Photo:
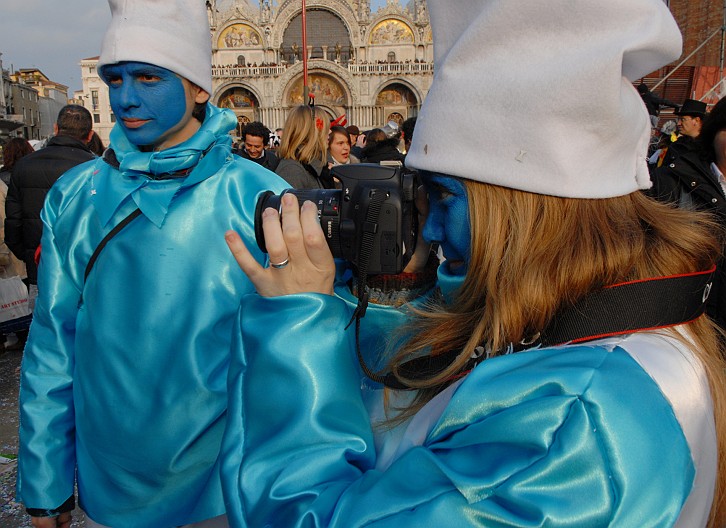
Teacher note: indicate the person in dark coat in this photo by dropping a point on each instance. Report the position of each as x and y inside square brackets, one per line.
[653, 103]
[255, 140]
[379, 147]
[13, 150]
[691, 176]
[34, 175]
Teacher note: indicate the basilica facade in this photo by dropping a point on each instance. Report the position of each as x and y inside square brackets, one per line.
[372, 67]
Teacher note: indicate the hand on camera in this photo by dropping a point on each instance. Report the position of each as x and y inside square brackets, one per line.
[300, 260]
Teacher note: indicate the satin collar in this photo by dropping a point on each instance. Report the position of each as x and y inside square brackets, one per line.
[152, 179]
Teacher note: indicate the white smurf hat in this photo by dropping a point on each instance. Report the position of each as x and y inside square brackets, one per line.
[173, 34]
[536, 95]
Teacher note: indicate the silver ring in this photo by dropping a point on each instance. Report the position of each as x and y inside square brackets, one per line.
[280, 265]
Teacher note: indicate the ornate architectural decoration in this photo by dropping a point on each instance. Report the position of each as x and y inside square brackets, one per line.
[370, 66]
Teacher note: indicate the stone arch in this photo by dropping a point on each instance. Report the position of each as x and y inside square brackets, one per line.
[241, 99]
[396, 81]
[322, 43]
[330, 92]
[238, 34]
[391, 31]
[397, 100]
[320, 66]
[290, 9]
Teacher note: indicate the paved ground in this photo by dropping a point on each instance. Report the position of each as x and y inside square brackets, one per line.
[12, 514]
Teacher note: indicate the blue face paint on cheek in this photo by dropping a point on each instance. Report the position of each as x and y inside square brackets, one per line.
[448, 221]
[148, 101]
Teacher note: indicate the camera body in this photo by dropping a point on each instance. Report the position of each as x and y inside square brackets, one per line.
[371, 221]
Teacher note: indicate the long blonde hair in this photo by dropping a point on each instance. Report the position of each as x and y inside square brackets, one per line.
[306, 135]
[532, 255]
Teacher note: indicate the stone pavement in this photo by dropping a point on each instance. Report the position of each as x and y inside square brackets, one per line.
[12, 514]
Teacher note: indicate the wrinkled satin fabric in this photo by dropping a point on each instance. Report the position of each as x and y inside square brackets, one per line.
[550, 437]
[124, 376]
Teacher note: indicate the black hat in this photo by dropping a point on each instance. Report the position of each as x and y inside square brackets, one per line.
[691, 107]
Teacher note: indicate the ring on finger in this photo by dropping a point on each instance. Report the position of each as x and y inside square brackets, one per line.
[280, 265]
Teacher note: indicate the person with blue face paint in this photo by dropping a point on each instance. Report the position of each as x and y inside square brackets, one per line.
[123, 384]
[480, 417]
[447, 224]
[152, 104]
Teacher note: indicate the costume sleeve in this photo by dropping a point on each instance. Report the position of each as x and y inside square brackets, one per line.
[46, 459]
[509, 450]
[14, 221]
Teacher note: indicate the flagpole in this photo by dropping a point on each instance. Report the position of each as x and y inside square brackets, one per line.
[306, 89]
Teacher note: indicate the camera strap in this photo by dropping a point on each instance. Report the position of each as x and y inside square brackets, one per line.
[368, 237]
[624, 308]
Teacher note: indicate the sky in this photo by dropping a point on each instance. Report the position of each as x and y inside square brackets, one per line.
[55, 35]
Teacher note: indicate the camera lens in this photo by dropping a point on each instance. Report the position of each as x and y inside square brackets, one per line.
[326, 200]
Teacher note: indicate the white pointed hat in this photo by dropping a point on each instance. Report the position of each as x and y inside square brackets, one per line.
[173, 34]
[536, 95]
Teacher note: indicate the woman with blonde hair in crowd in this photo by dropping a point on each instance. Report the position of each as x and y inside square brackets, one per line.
[563, 373]
[304, 149]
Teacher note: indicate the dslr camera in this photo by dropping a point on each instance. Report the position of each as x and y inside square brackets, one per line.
[371, 221]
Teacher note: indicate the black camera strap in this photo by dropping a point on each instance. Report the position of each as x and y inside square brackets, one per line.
[624, 308]
[370, 227]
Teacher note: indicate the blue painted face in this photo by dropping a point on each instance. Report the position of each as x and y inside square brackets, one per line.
[151, 103]
[448, 221]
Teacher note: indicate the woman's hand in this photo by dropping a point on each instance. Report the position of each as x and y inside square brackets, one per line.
[300, 260]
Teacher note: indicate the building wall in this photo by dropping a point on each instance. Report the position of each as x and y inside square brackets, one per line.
[95, 99]
[24, 102]
[370, 67]
[359, 82]
[700, 21]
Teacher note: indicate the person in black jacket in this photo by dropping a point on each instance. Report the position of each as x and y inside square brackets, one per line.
[34, 175]
[653, 103]
[255, 140]
[691, 176]
[379, 147]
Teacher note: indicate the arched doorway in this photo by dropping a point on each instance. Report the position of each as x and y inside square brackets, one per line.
[241, 101]
[396, 102]
[330, 94]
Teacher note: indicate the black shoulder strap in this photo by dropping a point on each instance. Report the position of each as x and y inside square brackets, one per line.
[632, 306]
[115, 231]
[619, 309]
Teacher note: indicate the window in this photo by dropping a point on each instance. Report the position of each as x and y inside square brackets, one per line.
[94, 99]
[113, 118]
[96, 118]
[391, 56]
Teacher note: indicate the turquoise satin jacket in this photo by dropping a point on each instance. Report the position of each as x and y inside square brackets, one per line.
[557, 437]
[124, 374]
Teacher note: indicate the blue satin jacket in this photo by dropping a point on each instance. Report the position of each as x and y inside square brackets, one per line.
[124, 374]
[557, 437]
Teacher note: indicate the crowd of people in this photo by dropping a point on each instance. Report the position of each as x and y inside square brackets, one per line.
[551, 355]
[311, 145]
